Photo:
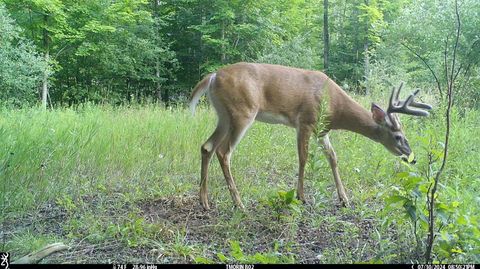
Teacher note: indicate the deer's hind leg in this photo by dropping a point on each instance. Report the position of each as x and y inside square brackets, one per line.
[207, 150]
[224, 152]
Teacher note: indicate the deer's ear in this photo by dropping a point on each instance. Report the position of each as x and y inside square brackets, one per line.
[378, 114]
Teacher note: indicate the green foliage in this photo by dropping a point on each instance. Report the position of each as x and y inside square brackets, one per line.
[295, 53]
[457, 226]
[128, 51]
[237, 256]
[134, 231]
[90, 165]
[28, 242]
[100, 52]
[67, 203]
[458, 229]
[434, 43]
[20, 66]
[284, 205]
[356, 30]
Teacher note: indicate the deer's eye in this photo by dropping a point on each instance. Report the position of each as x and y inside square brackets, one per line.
[398, 137]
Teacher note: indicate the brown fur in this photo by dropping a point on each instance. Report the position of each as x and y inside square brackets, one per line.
[244, 92]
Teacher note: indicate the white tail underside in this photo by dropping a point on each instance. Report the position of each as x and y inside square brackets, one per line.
[196, 97]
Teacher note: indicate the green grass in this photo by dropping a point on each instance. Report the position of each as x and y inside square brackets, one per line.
[125, 180]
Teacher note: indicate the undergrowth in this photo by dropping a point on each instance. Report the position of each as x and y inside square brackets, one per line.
[125, 179]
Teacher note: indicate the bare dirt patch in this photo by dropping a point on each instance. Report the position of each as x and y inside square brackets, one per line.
[206, 233]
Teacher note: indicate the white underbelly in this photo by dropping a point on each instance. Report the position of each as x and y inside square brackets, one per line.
[270, 117]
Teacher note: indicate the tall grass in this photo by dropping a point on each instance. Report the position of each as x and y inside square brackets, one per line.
[102, 156]
[149, 149]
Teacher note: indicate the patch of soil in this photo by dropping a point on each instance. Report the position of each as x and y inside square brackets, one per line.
[183, 212]
[47, 219]
[178, 210]
[256, 229]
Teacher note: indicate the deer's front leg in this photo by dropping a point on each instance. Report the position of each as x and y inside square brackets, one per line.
[332, 159]
[303, 137]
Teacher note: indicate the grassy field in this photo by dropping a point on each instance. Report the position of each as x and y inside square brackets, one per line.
[121, 185]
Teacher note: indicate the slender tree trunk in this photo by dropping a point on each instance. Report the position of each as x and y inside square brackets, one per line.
[45, 82]
[158, 85]
[224, 56]
[201, 57]
[47, 58]
[432, 192]
[366, 66]
[356, 41]
[326, 36]
[158, 90]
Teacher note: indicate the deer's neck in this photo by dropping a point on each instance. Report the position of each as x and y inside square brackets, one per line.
[349, 115]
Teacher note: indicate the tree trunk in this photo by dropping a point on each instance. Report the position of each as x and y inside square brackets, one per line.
[326, 36]
[45, 82]
[366, 66]
[224, 56]
[356, 23]
[158, 85]
[201, 51]
[158, 89]
[366, 55]
[47, 58]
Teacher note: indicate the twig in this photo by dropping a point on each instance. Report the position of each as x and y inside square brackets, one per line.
[428, 66]
[445, 64]
[431, 199]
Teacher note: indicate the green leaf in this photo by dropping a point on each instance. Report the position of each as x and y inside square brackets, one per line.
[236, 251]
[282, 194]
[456, 250]
[260, 258]
[411, 210]
[402, 175]
[462, 220]
[395, 199]
[289, 196]
[442, 215]
[445, 236]
[416, 193]
[411, 157]
[222, 257]
[422, 217]
[202, 260]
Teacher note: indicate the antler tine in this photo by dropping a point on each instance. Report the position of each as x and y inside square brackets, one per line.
[398, 91]
[397, 106]
[420, 105]
[393, 100]
[416, 112]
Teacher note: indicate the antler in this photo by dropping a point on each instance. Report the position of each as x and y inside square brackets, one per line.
[405, 107]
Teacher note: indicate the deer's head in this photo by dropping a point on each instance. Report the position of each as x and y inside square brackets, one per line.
[390, 132]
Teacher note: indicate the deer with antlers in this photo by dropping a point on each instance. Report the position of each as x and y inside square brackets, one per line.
[244, 92]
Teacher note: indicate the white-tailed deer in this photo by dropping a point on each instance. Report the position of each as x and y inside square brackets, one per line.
[244, 92]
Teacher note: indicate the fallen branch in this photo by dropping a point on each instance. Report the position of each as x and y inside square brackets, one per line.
[38, 255]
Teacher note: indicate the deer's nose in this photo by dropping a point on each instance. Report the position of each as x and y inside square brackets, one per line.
[405, 159]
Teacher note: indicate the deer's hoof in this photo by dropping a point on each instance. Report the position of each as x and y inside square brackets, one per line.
[240, 207]
[344, 203]
[303, 200]
[204, 204]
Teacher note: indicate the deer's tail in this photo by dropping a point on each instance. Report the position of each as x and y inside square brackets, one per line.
[202, 87]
